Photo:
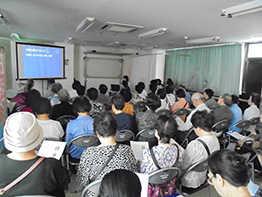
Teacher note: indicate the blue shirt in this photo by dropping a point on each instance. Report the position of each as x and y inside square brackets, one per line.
[237, 116]
[79, 126]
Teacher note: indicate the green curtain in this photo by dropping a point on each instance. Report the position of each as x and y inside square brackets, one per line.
[215, 67]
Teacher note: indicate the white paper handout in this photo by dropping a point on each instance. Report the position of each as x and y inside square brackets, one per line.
[239, 136]
[52, 149]
[138, 147]
[144, 183]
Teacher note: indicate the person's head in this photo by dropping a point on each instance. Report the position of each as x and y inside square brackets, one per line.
[105, 124]
[180, 93]
[31, 97]
[76, 84]
[235, 99]
[153, 102]
[81, 105]
[202, 121]
[139, 88]
[120, 183]
[118, 101]
[42, 106]
[140, 107]
[169, 82]
[30, 84]
[225, 99]
[227, 169]
[103, 89]
[254, 99]
[22, 132]
[63, 95]
[161, 93]
[81, 90]
[22, 87]
[152, 87]
[142, 84]
[50, 82]
[126, 94]
[182, 86]
[158, 81]
[208, 93]
[197, 99]
[126, 78]
[92, 94]
[166, 128]
[169, 89]
[56, 87]
[153, 82]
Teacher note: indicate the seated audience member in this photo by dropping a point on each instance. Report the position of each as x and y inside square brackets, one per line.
[159, 84]
[143, 94]
[137, 94]
[228, 173]
[198, 102]
[64, 107]
[102, 97]
[19, 99]
[257, 147]
[161, 93]
[139, 110]
[209, 101]
[48, 178]
[171, 98]
[169, 82]
[93, 158]
[124, 85]
[128, 106]
[181, 103]
[152, 88]
[124, 120]
[183, 87]
[120, 183]
[75, 86]
[55, 89]
[30, 98]
[253, 111]
[49, 92]
[51, 128]
[236, 111]
[166, 154]
[149, 117]
[126, 78]
[195, 151]
[83, 124]
[222, 111]
[96, 107]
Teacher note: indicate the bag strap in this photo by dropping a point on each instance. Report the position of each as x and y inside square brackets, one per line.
[154, 157]
[21, 177]
[184, 105]
[102, 168]
[205, 145]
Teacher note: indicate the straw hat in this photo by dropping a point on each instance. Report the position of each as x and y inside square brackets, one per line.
[22, 132]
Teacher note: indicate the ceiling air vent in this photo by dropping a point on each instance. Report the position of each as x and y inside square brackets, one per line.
[119, 27]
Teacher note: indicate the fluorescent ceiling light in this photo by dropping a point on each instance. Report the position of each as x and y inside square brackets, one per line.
[246, 8]
[120, 44]
[85, 24]
[15, 36]
[120, 27]
[203, 40]
[68, 40]
[2, 20]
[152, 33]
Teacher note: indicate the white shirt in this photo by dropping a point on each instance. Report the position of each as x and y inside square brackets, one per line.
[51, 129]
[249, 113]
[171, 98]
[188, 125]
[143, 94]
[194, 153]
[164, 105]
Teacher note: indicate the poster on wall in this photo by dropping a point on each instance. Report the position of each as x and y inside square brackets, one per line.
[2, 88]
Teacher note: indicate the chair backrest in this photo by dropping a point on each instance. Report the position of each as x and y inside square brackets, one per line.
[220, 126]
[64, 120]
[124, 136]
[181, 112]
[254, 121]
[92, 187]
[147, 135]
[242, 124]
[85, 140]
[201, 166]
[164, 175]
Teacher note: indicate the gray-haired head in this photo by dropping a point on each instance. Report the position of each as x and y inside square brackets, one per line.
[63, 95]
[22, 87]
[227, 99]
[197, 97]
[56, 87]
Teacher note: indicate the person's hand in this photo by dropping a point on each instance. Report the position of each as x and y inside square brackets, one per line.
[240, 142]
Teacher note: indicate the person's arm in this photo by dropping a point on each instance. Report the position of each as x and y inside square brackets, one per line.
[188, 156]
[60, 130]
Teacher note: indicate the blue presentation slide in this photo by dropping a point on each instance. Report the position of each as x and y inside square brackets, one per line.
[42, 62]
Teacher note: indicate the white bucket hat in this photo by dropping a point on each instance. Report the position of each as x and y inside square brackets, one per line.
[22, 132]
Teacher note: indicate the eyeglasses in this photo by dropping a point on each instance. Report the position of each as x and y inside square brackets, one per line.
[210, 178]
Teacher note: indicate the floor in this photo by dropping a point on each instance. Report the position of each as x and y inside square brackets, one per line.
[74, 187]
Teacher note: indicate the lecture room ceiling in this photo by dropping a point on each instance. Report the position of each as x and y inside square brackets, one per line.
[56, 20]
